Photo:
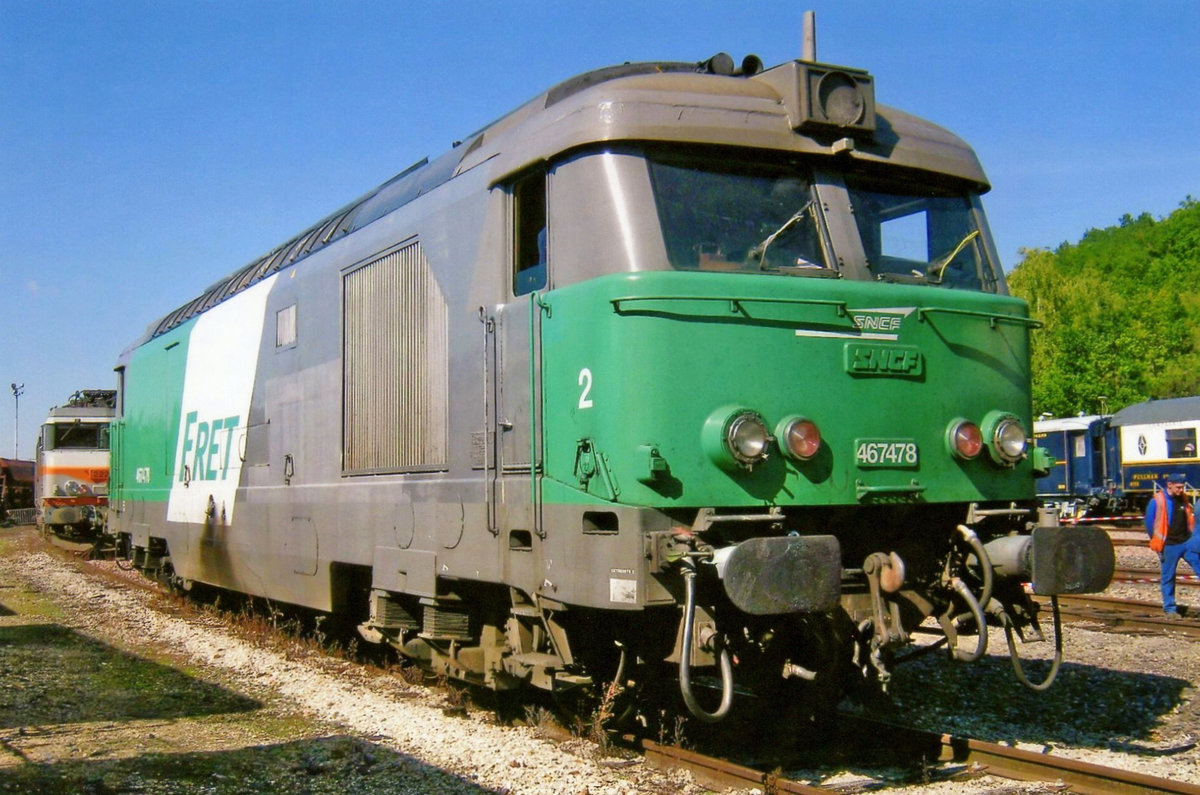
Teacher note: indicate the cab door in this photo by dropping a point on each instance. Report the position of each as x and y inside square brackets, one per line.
[516, 423]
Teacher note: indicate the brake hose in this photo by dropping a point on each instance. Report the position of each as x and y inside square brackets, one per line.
[962, 590]
[1016, 658]
[685, 660]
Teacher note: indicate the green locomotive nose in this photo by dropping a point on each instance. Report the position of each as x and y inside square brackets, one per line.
[792, 392]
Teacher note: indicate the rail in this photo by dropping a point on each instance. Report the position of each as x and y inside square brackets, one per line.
[1123, 574]
[977, 755]
[735, 306]
[1124, 615]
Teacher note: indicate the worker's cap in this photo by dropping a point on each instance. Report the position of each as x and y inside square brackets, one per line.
[1177, 477]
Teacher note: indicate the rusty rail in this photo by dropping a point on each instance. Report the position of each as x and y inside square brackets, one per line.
[1124, 574]
[1001, 760]
[713, 772]
[980, 757]
[1082, 777]
[1121, 615]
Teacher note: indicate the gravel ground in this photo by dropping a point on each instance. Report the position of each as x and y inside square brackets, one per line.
[328, 721]
[1122, 700]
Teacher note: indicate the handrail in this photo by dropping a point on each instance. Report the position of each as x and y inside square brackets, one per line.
[734, 301]
[992, 317]
[842, 308]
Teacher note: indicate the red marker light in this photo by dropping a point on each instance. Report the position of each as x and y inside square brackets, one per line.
[966, 440]
[799, 437]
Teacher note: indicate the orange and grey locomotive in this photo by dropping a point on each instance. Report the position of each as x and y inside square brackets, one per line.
[72, 465]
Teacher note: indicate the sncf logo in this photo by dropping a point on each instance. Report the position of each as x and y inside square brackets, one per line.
[881, 359]
[877, 322]
[207, 446]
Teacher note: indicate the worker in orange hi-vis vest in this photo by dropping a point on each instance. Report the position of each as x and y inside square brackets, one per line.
[1171, 524]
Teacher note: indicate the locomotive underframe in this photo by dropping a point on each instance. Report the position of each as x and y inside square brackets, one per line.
[897, 569]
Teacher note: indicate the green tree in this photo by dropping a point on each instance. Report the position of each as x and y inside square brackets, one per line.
[1120, 311]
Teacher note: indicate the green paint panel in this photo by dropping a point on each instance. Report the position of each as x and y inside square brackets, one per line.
[634, 365]
[144, 438]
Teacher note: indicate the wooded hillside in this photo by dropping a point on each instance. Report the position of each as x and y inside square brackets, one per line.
[1121, 310]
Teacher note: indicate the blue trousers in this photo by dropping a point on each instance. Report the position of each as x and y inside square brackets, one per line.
[1190, 551]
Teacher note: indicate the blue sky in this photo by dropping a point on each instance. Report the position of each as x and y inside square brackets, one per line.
[149, 148]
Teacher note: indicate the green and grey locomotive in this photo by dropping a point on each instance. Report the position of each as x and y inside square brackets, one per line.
[679, 371]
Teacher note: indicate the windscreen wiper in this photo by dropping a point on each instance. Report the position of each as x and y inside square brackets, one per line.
[938, 266]
[759, 252]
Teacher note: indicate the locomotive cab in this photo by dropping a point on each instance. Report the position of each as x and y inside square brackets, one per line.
[789, 362]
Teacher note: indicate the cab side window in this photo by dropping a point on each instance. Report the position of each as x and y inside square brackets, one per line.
[529, 234]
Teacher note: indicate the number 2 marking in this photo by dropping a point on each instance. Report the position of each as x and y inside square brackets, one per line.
[585, 381]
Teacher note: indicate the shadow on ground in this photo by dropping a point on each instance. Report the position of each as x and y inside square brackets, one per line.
[54, 675]
[4, 609]
[1087, 706]
[342, 765]
[1086, 703]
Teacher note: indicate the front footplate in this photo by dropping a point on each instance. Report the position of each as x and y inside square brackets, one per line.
[1056, 560]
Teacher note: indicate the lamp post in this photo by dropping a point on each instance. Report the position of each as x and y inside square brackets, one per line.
[17, 391]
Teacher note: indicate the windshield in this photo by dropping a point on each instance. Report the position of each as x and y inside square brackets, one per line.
[76, 436]
[743, 214]
[736, 216]
[919, 234]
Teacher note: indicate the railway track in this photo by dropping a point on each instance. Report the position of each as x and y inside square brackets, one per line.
[1124, 574]
[961, 758]
[1124, 615]
[957, 757]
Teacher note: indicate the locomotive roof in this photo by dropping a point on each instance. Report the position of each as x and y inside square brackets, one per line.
[86, 403]
[1152, 411]
[661, 101]
[1080, 423]
[71, 413]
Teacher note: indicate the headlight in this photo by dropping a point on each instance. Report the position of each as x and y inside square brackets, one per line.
[1008, 441]
[965, 439]
[799, 438]
[747, 438]
[736, 438]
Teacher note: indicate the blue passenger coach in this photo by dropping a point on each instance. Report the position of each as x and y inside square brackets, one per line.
[1108, 465]
[1157, 438]
[1083, 478]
